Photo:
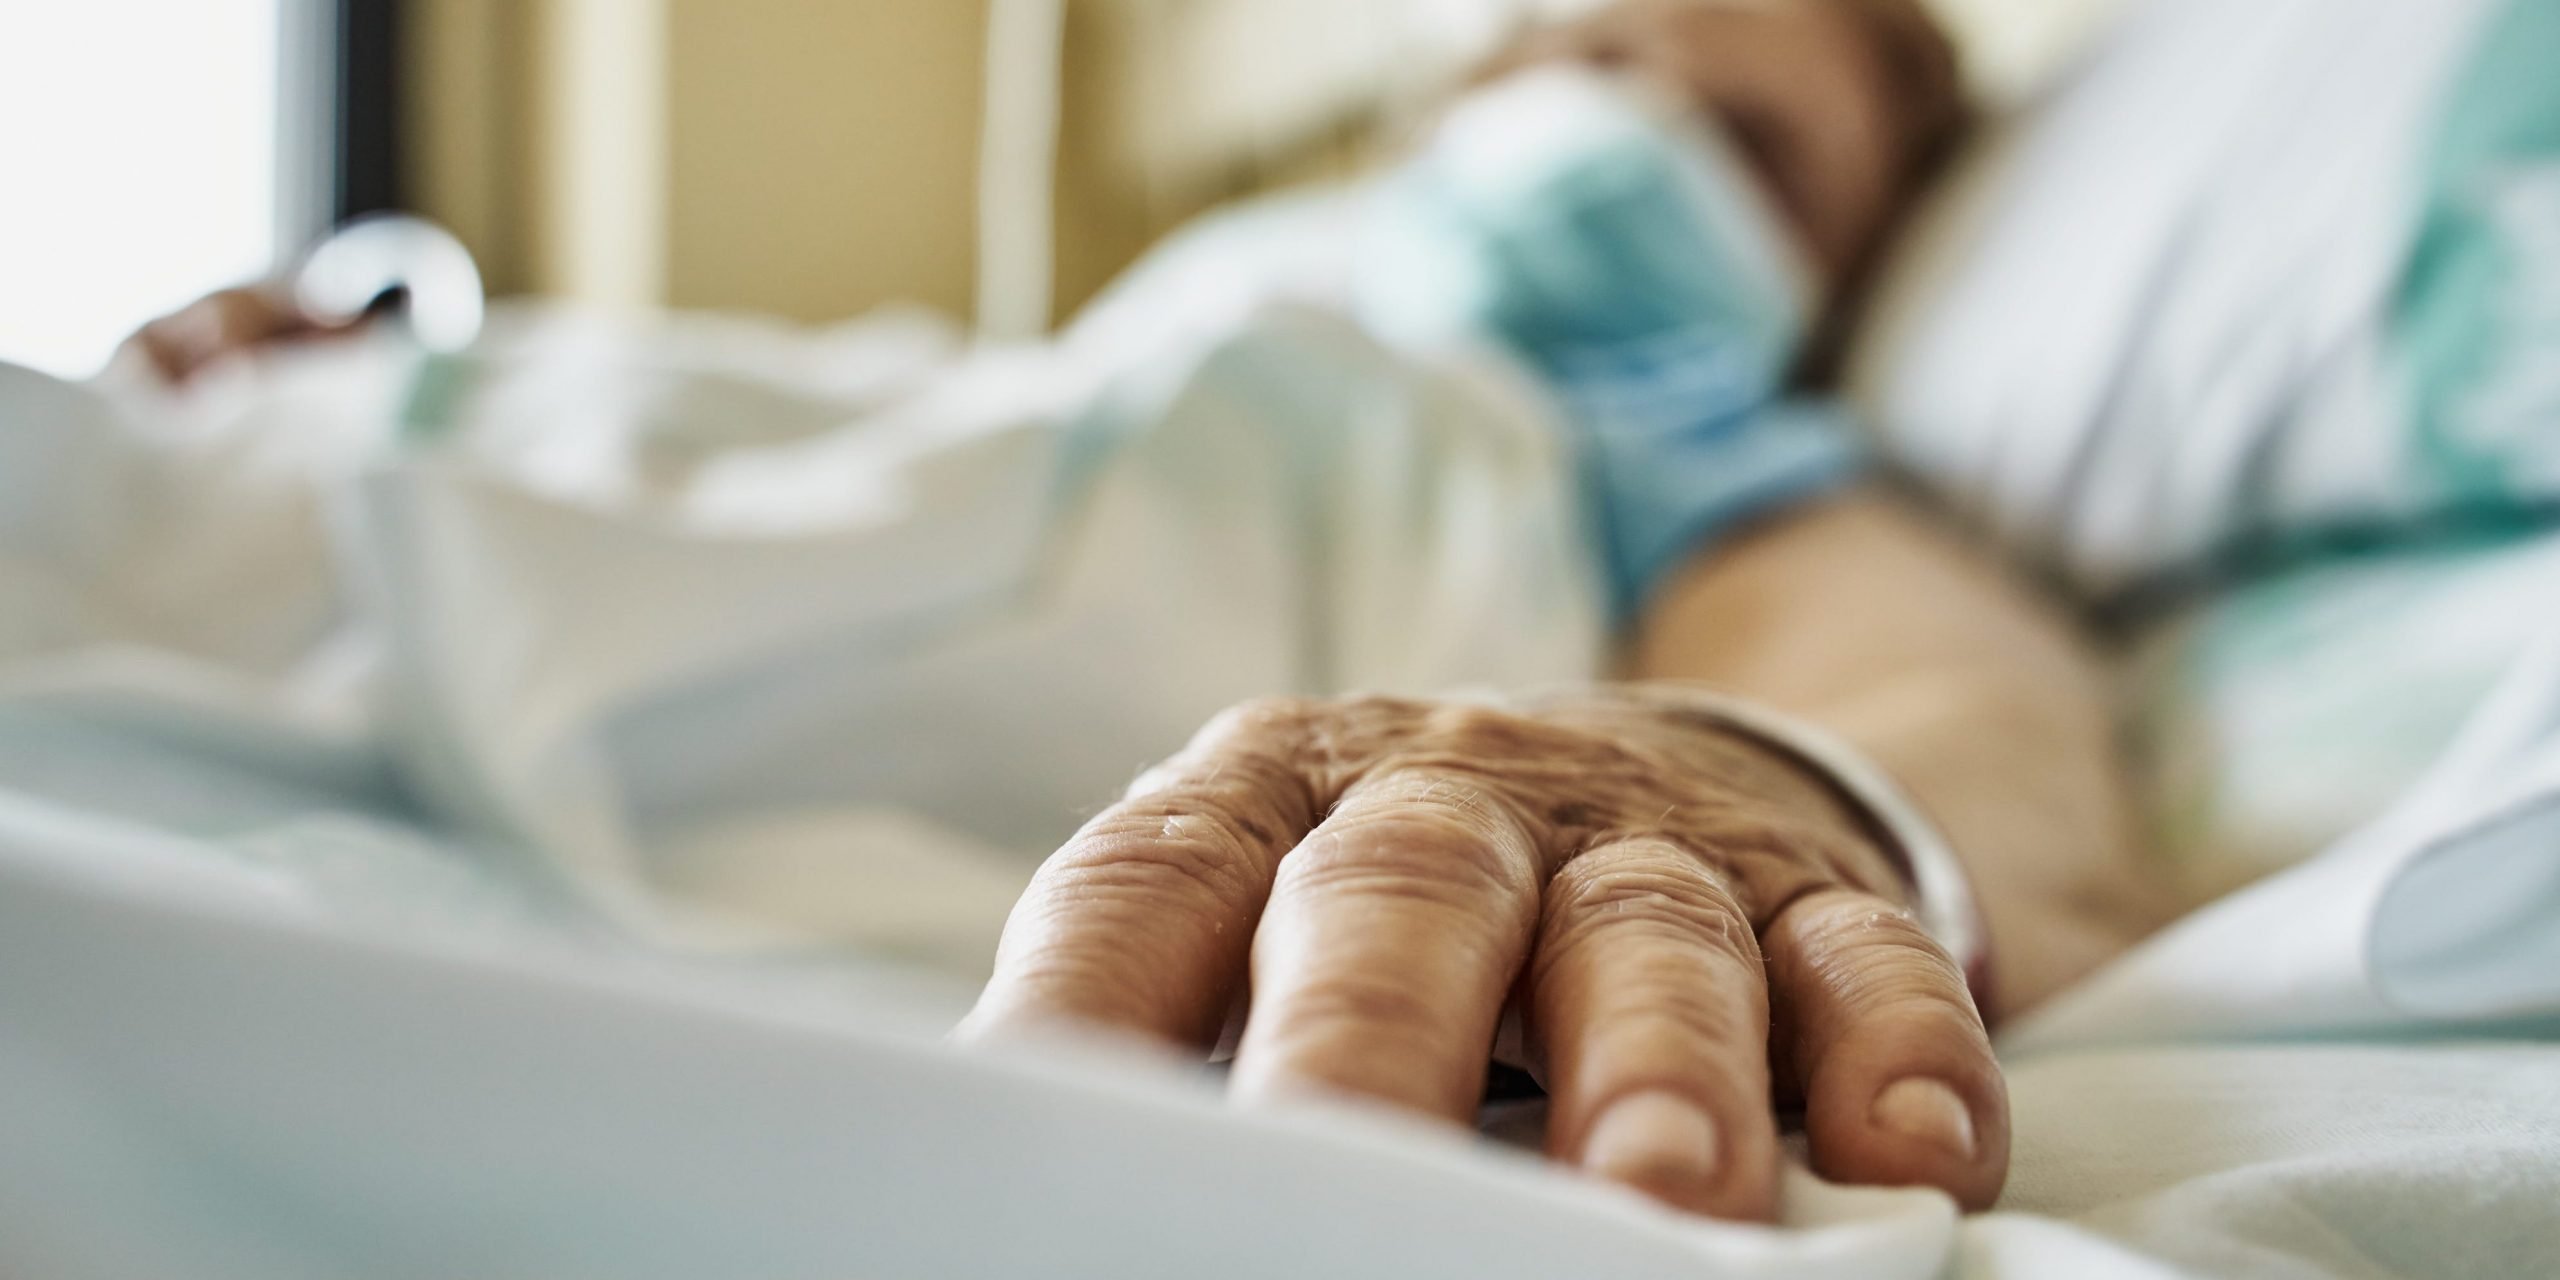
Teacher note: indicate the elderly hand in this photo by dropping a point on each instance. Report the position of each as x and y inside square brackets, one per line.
[1691, 928]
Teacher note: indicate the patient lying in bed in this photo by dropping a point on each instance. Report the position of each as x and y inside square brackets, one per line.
[1688, 905]
[1658, 253]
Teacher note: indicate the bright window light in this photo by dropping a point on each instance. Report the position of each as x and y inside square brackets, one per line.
[138, 159]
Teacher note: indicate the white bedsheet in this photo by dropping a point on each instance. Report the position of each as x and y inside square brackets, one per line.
[293, 986]
[653, 602]
[213, 1068]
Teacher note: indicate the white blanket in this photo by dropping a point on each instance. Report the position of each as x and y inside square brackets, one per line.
[694, 620]
[534, 817]
[295, 986]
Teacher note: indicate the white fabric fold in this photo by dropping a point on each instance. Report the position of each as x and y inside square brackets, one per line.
[205, 1075]
[2444, 911]
[993, 604]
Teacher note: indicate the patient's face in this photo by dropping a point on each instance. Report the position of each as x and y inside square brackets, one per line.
[1837, 103]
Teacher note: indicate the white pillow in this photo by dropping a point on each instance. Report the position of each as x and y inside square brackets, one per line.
[2149, 316]
[2012, 48]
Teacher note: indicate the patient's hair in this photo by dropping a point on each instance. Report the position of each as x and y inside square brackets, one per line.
[1925, 73]
[1920, 61]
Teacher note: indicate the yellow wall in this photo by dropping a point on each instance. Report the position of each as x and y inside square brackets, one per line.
[808, 158]
[822, 153]
[815, 158]
[467, 112]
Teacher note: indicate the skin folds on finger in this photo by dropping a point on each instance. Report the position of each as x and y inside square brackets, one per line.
[1649, 1010]
[1899, 1083]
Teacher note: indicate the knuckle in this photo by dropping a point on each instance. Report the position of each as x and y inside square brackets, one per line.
[1860, 924]
[1473, 719]
[1153, 858]
[1871, 956]
[1440, 816]
[1471, 731]
[1661, 883]
[1427, 856]
[1655, 891]
[1650, 940]
[1412, 801]
[1378, 706]
[1251, 793]
[1164, 775]
[1260, 720]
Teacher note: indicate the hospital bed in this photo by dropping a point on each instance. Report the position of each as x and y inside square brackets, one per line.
[281, 995]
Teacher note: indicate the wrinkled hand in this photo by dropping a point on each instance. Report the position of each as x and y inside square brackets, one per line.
[1692, 930]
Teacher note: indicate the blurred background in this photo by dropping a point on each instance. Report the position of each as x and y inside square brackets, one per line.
[811, 159]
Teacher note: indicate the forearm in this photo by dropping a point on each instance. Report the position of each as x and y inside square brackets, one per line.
[1982, 702]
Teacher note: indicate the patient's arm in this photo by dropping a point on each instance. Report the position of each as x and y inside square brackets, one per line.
[1983, 702]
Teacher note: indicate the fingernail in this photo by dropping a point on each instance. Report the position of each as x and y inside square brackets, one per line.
[1656, 1139]
[1928, 1110]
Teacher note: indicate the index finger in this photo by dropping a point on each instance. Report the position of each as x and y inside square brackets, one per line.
[1143, 921]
